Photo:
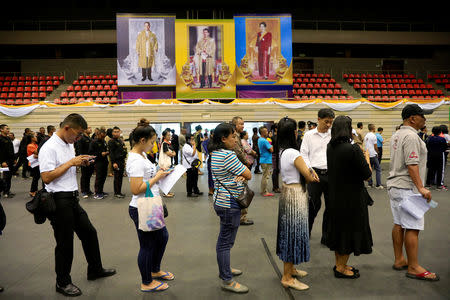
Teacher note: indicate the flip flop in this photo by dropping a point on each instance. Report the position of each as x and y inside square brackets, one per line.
[166, 276]
[155, 289]
[422, 276]
[402, 268]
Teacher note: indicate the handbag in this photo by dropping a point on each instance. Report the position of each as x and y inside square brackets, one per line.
[195, 163]
[150, 211]
[244, 199]
[41, 206]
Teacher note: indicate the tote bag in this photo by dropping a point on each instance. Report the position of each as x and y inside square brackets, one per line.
[164, 160]
[150, 211]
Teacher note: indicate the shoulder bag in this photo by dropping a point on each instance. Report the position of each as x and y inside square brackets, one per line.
[244, 199]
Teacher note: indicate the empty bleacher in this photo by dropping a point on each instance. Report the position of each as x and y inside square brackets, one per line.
[100, 89]
[441, 80]
[19, 90]
[311, 86]
[391, 87]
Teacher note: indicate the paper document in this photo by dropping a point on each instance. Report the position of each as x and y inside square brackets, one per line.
[416, 205]
[169, 181]
[34, 162]
[4, 169]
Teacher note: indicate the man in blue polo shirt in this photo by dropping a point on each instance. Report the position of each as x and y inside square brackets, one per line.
[380, 142]
[265, 152]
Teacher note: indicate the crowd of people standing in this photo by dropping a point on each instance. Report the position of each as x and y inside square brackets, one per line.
[310, 163]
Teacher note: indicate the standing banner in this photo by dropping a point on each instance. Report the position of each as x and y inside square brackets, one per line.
[145, 50]
[205, 59]
[263, 55]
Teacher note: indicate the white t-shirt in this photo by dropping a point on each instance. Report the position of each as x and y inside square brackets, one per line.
[370, 140]
[54, 153]
[138, 166]
[288, 171]
[188, 158]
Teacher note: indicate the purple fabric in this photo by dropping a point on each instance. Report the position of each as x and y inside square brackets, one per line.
[133, 95]
[262, 94]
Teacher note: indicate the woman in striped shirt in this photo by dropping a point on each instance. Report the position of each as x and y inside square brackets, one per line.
[228, 173]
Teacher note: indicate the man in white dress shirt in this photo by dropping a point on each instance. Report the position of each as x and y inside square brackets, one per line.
[370, 142]
[314, 153]
[57, 163]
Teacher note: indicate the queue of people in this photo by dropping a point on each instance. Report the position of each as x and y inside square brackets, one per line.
[307, 171]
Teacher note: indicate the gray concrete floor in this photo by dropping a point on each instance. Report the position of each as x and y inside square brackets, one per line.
[27, 252]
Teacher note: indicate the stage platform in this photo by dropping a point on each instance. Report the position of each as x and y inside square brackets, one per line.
[27, 252]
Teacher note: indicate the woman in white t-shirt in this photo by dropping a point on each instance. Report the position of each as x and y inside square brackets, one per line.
[293, 230]
[189, 155]
[152, 243]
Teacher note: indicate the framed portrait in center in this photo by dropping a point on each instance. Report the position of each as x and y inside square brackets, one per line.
[145, 50]
[205, 66]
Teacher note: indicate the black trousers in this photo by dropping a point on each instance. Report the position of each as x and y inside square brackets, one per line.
[175, 158]
[275, 181]
[118, 177]
[315, 191]
[147, 73]
[380, 154]
[435, 164]
[7, 179]
[191, 181]
[85, 180]
[258, 165]
[23, 162]
[70, 217]
[101, 171]
[35, 173]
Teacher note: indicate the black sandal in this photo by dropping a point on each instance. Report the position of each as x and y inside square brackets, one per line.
[338, 274]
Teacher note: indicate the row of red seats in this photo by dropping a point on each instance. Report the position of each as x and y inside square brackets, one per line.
[96, 82]
[22, 89]
[397, 98]
[18, 101]
[319, 92]
[40, 95]
[437, 76]
[100, 87]
[395, 81]
[74, 100]
[405, 92]
[107, 76]
[369, 75]
[30, 83]
[321, 97]
[313, 75]
[317, 86]
[395, 86]
[314, 80]
[87, 94]
[31, 78]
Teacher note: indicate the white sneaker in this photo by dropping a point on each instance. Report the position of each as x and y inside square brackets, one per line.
[380, 187]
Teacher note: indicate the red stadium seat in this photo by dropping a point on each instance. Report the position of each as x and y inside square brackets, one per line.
[63, 95]
[34, 95]
[102, 94]
[113, 100]
[98, 100]
[56, 82]
[92, 88]
[26, 101]
[104, 81]
[99, 87]
[12, 95]
[2, 101]
[34, 101]
[87, 94]
[94, 94]
[77, 88]
[65, 101]
[10, 102]
[73, 101]
[96, 82]
[70, 88]
[19, 95]
[19, 89]
[71, 94]
[111, 93]
[114, 77]
[79, 94]
[76, 82]
[85, 88]
[42, 95]
[49, 89]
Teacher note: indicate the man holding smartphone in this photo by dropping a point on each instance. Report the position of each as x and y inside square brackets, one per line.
[57, 163]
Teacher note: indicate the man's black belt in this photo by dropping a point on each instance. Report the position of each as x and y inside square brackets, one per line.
[66, 194]
[320, 171]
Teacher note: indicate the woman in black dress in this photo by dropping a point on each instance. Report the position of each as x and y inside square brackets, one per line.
[348, 225]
